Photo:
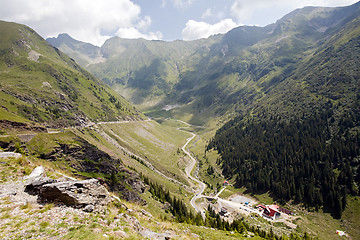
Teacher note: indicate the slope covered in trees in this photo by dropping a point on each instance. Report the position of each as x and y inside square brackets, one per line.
[299, 138]
[312, 159]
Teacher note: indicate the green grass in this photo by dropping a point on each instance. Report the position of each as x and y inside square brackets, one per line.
[152, 141]
[53, 89]
[163, 146]
[44, 143]
[264, 198]
[351, 217]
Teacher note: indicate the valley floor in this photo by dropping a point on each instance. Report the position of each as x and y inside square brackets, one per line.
[148, 147]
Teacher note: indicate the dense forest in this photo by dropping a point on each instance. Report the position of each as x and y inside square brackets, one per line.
[313, 160]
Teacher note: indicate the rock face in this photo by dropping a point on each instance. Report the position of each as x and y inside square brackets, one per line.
[76, 193]
[36, 180]
[35, 184]
[89, 194]
[136, 184]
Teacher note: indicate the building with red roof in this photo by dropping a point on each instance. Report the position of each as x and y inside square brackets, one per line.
[270, 211]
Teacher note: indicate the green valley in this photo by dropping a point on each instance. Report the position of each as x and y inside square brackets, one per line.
[251, 134]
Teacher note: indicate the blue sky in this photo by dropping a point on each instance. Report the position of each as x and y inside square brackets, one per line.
[97, 20]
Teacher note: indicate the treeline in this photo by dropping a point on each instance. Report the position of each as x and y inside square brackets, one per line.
[178, 208]
[212, 219]
[239, 225]
[311, 160]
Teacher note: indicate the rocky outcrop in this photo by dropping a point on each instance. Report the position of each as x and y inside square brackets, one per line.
[36, 180]
[77, 193]
[6, 124]
[88, 194]
[131, 196]
[136, 184]
[34, 186]
[85, 157]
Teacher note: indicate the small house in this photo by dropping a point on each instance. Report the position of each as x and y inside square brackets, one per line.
[223, 211]
[270, 211]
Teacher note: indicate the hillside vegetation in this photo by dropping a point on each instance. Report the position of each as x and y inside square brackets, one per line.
[41, 84]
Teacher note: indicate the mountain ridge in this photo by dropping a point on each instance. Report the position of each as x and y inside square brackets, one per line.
[41, 84]
[243, 61]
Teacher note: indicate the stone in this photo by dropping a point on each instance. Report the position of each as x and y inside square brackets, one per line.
[34, 184]
[120, 234]
[136, 224]
[37, 172]
[10, 154]
[89, 208]
[136, 184]
[148, 234]
[145, 213]
[76, 193]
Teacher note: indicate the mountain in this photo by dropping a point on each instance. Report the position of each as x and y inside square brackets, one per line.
[305, 118]
[203, 79]
[83, 53]
[40, 84]
[299, 46]
[143, 71]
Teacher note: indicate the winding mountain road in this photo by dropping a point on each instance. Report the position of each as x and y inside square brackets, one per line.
[188, 170]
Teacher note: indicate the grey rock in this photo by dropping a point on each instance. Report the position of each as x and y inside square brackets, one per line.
[76, 193]
[37, 172]
[89, 208]
[136, 224]
[9, 154]
[148, 234]
[34, 184]
[145, 213]
[136, 184]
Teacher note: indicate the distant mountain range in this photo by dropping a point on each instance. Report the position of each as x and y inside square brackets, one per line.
[40, 84]
[285, 68]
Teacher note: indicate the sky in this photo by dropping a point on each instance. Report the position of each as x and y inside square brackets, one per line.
[95, 21]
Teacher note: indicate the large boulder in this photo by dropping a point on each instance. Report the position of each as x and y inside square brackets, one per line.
[34, 185]
[76, 193]
[36, 180]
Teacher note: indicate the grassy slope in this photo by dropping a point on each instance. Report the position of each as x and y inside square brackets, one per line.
[42, 84]
[155, 142]
[30, 221]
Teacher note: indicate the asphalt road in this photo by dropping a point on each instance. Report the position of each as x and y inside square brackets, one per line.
[188, 170]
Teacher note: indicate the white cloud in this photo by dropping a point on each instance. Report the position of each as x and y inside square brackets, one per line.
[242, 10]
[195, 30]
[210, 13]
[182, 3]
[133, 33]
[207, 14]
[90, 21]
[143, 24]
[177, 3]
